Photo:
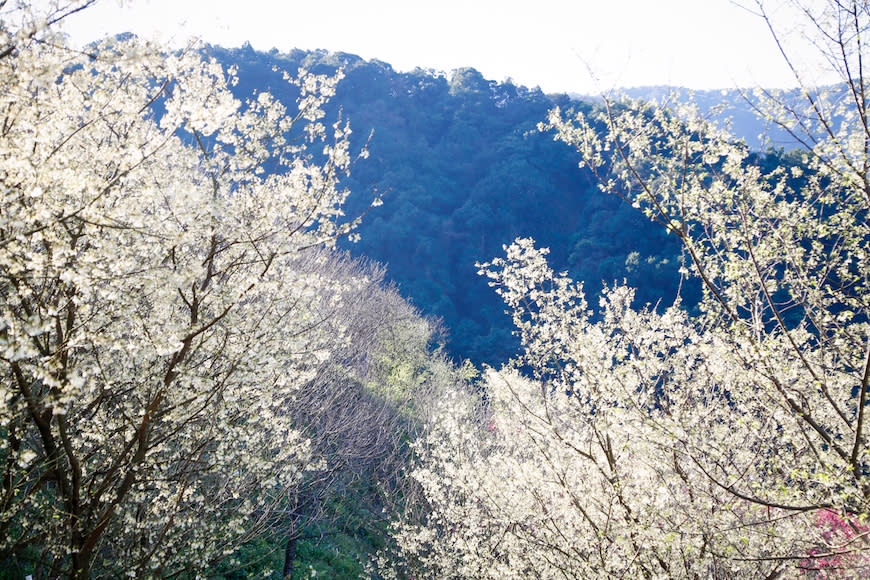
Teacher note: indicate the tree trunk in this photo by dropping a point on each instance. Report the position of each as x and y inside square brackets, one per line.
[290, 552]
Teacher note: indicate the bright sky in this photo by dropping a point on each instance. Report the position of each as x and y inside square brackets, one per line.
[701, 44]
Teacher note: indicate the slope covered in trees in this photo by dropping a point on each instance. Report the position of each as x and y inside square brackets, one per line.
[463, 169]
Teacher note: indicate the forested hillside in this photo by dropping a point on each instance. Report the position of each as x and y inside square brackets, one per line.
[464, 170]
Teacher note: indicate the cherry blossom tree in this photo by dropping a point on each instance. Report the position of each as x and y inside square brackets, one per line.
[155, 325]
[362, 406]
[21, 25]
[644, 442]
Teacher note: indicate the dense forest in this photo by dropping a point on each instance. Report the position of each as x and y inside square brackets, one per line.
[463, 170]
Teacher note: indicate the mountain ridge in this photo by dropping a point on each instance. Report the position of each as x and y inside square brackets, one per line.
[464, 170]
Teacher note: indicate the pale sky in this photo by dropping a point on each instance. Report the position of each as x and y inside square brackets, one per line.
[701, 44]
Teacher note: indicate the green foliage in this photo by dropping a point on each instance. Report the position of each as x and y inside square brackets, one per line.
[340, 553]
[463, 169]
[334, 551]
[253, 559]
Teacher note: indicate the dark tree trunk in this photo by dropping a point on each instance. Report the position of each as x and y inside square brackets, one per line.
[290, 553]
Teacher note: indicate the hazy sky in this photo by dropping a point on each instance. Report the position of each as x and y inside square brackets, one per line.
[548, 43]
